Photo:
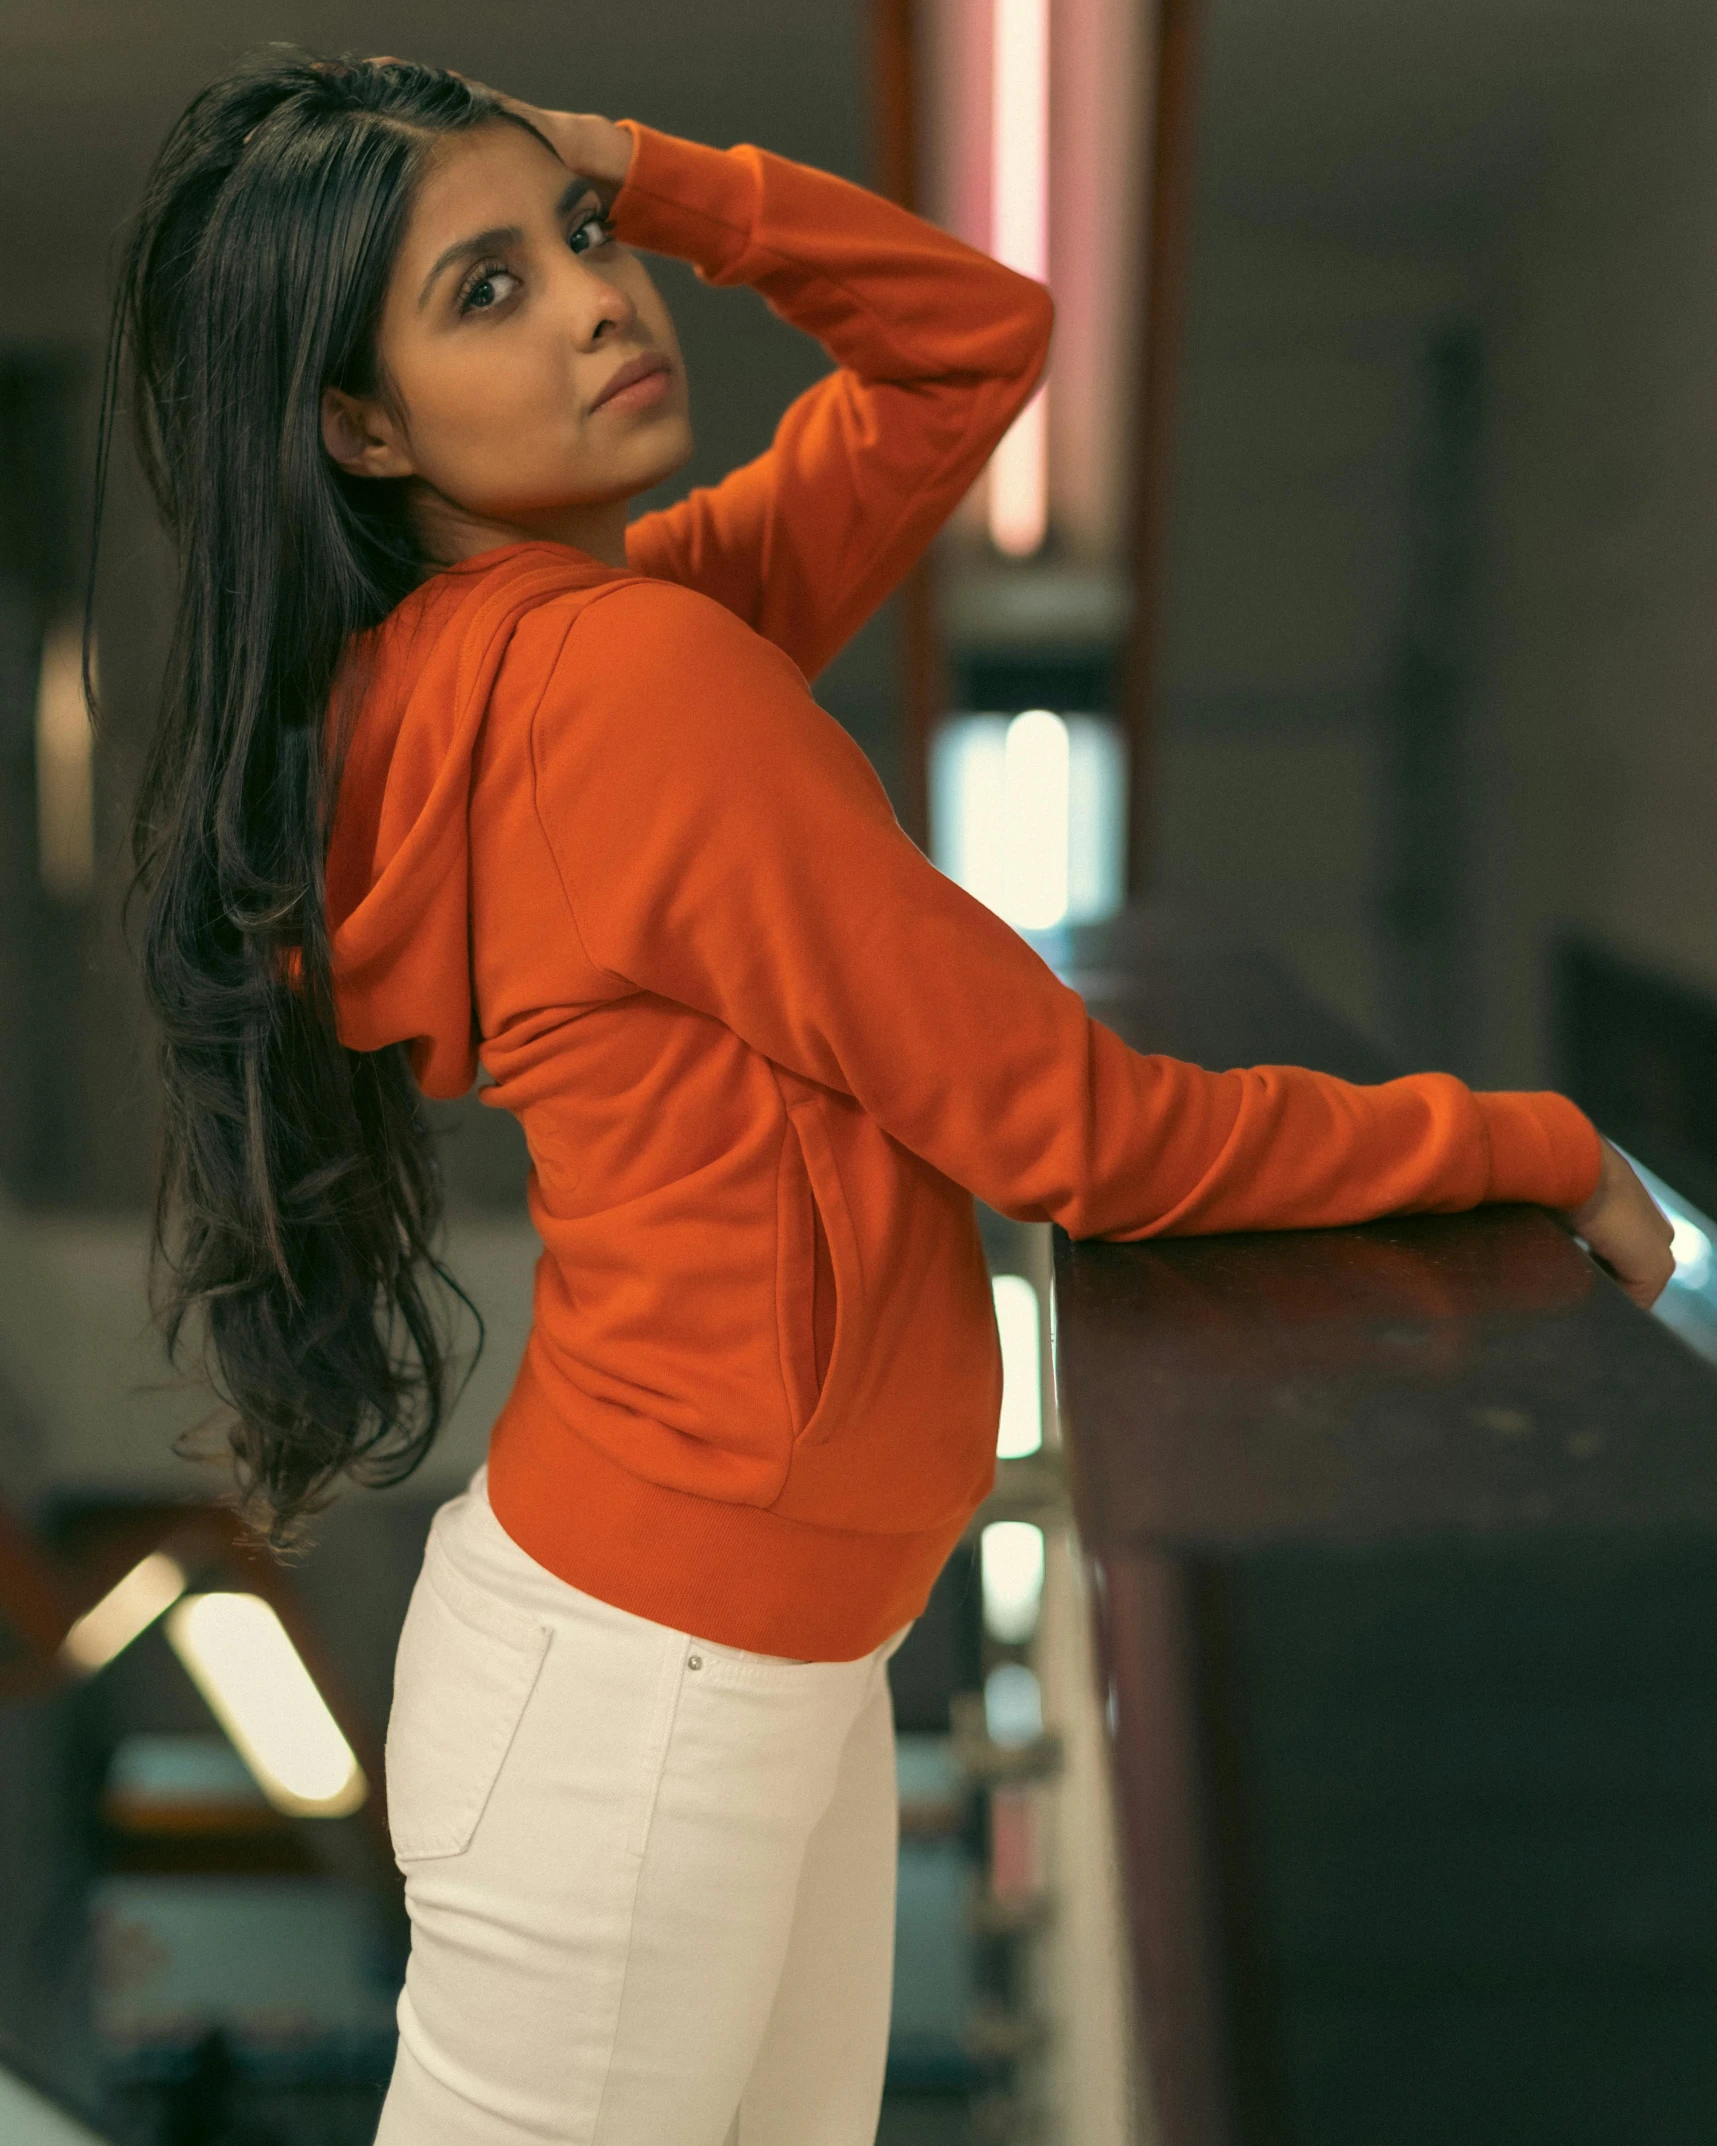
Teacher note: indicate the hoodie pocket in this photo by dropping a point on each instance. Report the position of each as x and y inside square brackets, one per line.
[818, 1273]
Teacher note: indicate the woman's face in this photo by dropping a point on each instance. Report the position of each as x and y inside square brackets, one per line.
[511, 320]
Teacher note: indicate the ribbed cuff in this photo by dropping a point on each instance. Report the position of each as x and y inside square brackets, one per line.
[1543, 1150]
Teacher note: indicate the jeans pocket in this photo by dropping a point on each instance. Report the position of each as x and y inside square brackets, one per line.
[466, 1667]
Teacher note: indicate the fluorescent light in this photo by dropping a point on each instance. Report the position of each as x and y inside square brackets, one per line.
[1030, 814]
[1019, 238]
[65, 773]
[1019, 483]
[1021, 1429]
[124, 1613]
[1036, 832]
[240, 1658]
[1019, 137]
[1010, 1557]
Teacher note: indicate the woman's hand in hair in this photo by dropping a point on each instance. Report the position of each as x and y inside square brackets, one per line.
[1626, 1231]
[585, 142]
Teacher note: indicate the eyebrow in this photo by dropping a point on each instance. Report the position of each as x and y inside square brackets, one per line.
[466, 249]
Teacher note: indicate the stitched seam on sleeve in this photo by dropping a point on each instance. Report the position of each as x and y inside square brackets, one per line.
[536, 787]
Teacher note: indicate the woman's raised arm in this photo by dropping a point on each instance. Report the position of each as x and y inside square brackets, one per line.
[936, 348]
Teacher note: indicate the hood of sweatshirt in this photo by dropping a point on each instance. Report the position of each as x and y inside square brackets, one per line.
[398, 872]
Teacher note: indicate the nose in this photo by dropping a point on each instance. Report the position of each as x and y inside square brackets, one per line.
[601, 310]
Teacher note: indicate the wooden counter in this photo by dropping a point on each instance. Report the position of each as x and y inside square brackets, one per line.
[1404, 1542]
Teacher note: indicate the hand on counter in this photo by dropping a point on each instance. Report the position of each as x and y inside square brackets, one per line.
[1626, 1231]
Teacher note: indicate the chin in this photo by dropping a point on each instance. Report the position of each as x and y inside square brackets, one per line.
[672, 454]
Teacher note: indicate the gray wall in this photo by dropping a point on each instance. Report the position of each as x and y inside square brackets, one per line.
[1597, 782]
[1542, 181]
[1290, 571]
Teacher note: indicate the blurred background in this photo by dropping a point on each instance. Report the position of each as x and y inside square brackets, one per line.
[1349, 585]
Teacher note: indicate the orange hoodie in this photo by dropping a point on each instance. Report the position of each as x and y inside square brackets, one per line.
[595, 834]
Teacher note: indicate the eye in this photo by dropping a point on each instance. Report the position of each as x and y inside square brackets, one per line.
[595, 230]
[488, 284]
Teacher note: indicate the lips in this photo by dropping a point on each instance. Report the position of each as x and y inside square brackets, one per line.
[646, 367]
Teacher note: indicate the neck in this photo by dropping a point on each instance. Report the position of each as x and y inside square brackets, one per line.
[449, 532]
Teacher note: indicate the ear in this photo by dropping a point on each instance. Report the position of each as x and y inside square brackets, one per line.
[362, 436]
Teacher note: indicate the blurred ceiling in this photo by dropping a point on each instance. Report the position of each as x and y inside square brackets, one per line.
[1424, 116]
[1358, 114]
[88, 87]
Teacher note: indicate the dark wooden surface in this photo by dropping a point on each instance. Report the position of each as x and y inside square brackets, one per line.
[1404, 1542]
[1463, 1372]
[1443, 1374]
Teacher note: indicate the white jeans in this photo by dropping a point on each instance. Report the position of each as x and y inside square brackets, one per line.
[651, 1879]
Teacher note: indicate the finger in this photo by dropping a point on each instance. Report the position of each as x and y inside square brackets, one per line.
[1641, 1272]
[1649, 1281]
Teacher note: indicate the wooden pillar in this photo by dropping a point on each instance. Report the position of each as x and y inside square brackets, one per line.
[1169, 234]
[1146, 1644]
[896, 97]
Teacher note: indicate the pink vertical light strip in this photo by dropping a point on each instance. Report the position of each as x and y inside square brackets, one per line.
[1019, 137]
[1019, 238]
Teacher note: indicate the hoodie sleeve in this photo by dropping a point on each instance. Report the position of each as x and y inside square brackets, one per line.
[723, 843]
[935, 346]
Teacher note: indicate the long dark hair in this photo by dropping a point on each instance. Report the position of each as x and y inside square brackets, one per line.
[299, 1196]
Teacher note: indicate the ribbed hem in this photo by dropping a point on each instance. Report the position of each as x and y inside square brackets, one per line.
[735, 1574]
[1543, 1150]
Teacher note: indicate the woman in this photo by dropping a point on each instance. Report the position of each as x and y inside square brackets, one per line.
[457, 766]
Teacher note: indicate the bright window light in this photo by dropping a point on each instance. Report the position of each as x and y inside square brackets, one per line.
[65, 772]
[124, 1613]
[239, 1656]
[1021, 1428]
[1010, 1555]
[1019, 238]
[1013, 1705]
[1029, 814]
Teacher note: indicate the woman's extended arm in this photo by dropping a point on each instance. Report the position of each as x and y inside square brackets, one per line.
[723, 843]
[936, 348]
